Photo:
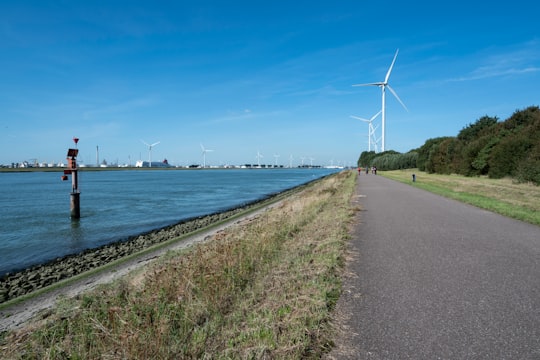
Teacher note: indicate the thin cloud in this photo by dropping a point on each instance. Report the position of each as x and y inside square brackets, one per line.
[244, 115]
[493, 72]
[514, 63]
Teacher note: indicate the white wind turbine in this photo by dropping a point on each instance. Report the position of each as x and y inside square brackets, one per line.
[276, 156]
[259, 156]
[376, 140]
[383, 85]
[150, 151]
[204, 151]
[371, 129]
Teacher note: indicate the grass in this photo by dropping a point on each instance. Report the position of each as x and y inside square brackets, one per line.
[503, 196]
[265, 289]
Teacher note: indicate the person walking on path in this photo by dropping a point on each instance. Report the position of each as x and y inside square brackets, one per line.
[432, 278]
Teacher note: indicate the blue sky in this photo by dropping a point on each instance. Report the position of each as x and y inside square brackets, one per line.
[248, 76]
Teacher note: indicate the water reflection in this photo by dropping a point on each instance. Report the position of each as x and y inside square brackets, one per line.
[77, 234]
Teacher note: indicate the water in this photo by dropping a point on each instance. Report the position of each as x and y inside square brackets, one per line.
[36, 226]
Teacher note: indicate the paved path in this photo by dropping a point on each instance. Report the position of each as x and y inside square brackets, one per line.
[432, 278]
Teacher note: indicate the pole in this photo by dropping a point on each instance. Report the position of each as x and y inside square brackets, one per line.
[75, 203]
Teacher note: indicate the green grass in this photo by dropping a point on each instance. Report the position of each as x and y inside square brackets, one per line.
[503, 196]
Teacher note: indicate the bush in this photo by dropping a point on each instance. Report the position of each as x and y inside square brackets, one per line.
[529, 170]
[507, 155]
[425, 151]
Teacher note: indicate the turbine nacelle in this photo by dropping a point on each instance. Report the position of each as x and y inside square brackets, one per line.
[366, 120]
[150, 151]
[204, 151]
[371, 130]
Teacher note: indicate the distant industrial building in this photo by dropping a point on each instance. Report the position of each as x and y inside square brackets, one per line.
[156, 164]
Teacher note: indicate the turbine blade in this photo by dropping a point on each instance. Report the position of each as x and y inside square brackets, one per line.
[390, 69]
[370, 84]
[374, 116]
[359, 118]
[154, 144]
[145, 143]
[397, 97]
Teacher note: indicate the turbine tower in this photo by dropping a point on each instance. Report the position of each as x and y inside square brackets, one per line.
[383, 85]
[371, 129]
[204, 151]
[259, 156]
[276, 156]
[150, 151]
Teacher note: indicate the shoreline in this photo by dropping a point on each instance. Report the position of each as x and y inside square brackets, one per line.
[19, 311]
[20, 283]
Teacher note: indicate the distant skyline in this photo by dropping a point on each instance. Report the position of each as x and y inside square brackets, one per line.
[248, 78]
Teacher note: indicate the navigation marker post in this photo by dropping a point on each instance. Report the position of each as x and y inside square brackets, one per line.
[75, 204]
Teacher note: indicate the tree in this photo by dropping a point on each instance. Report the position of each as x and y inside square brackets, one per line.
[520, 118]
[473, 131]
[442, 156]
[366, 158]
[425, 150]
[486, 147]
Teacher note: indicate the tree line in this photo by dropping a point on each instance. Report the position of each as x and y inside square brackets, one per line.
[509, 148]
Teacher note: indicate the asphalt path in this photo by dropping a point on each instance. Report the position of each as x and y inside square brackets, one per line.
[432, 278]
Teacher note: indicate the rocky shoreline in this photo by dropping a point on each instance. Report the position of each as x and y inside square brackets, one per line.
[14, 285]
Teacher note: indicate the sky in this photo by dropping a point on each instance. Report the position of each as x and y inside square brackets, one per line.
[255, 77]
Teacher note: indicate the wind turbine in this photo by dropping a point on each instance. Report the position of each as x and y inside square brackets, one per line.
[375, 140]
[204, 151]
[383, 85]
[259, 156]
[276, 156]
[150, 151]
[371, 130]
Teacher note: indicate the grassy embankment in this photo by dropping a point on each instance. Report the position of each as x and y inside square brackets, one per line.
[503, 196]
[257, 290]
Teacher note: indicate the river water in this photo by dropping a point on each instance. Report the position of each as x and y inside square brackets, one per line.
[36, 227]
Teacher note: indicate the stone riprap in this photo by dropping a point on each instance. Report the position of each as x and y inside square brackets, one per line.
[14, 285]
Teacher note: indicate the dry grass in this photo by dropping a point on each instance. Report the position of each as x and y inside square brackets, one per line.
[260, 290]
